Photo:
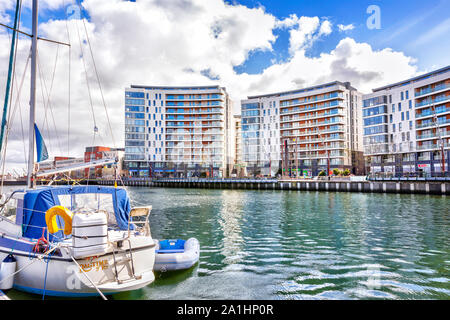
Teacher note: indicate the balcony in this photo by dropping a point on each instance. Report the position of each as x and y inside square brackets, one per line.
[430, 90]
[426, 136]
[429, 113]
[312, 132]
[437, 100]
[327, 139]
[432, 124]
[325, 114]
[206, 139]
[329, 147]
[316, 107]
[208, 118]
[317, 155]
[176, 97]
[193, 110]
[195, 125]
[432, 146]
[294, 102]
[314, 124]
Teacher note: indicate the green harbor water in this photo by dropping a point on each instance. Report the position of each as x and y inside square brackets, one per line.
[300, 245]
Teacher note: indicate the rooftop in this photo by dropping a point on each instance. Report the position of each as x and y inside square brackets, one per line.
[176, 87]
[317, 87]
[415, 79]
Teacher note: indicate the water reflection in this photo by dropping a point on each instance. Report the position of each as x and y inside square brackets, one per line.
[313, 245]
[230, 221]
[302, 245]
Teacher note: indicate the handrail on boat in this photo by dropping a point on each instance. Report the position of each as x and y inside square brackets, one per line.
[140, 212]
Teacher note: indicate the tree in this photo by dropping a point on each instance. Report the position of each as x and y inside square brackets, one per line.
[346, 172]
[322, 173]
[336, 172]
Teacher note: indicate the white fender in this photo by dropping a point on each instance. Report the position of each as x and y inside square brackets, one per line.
[7, 268]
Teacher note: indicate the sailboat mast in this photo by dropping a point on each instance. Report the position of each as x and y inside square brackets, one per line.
[34, 39]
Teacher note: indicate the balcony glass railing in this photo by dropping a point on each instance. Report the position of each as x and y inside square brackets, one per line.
[191, 97]
[187, 118]
[312, 132]
[429, 146]
[429, 112]
[430, 90]
[313, 155]
[314, 148]
[325, 114]
[314, 124]
[311, 108]
[311, 99]
[194, 110]
[432, 123]
[432, 135]
[432, 101]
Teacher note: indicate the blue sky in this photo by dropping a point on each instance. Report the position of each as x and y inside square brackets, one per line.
[403, 23]
[420, 29]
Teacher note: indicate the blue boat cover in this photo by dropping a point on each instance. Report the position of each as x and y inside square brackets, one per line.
[38, 201]
[171, 246]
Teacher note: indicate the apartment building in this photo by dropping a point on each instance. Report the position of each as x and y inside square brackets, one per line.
[321, 129]
[178, 131]
[260, 127]
[306, 130]
[407, 126]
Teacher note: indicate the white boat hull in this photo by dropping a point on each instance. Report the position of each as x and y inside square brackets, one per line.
[61, 276]
[180, 260]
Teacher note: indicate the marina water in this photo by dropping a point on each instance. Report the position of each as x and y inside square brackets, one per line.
[300, 245]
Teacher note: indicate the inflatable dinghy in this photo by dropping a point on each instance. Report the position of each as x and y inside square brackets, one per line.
[176, 254]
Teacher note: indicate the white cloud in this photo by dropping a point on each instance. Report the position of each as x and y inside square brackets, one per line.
[288, 22]
[307, 30]
[178, 42]
[347, 27]
[6, 5]
[350, 61]
[325, 28]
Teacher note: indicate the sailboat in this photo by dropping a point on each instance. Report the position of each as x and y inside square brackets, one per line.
[74, 240]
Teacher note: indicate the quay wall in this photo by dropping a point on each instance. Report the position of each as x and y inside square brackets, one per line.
[410, 187]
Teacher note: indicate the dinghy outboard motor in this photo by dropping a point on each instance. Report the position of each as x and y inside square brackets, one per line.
[7, 268]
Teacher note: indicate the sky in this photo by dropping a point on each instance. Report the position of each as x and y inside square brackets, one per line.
[249, 47]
